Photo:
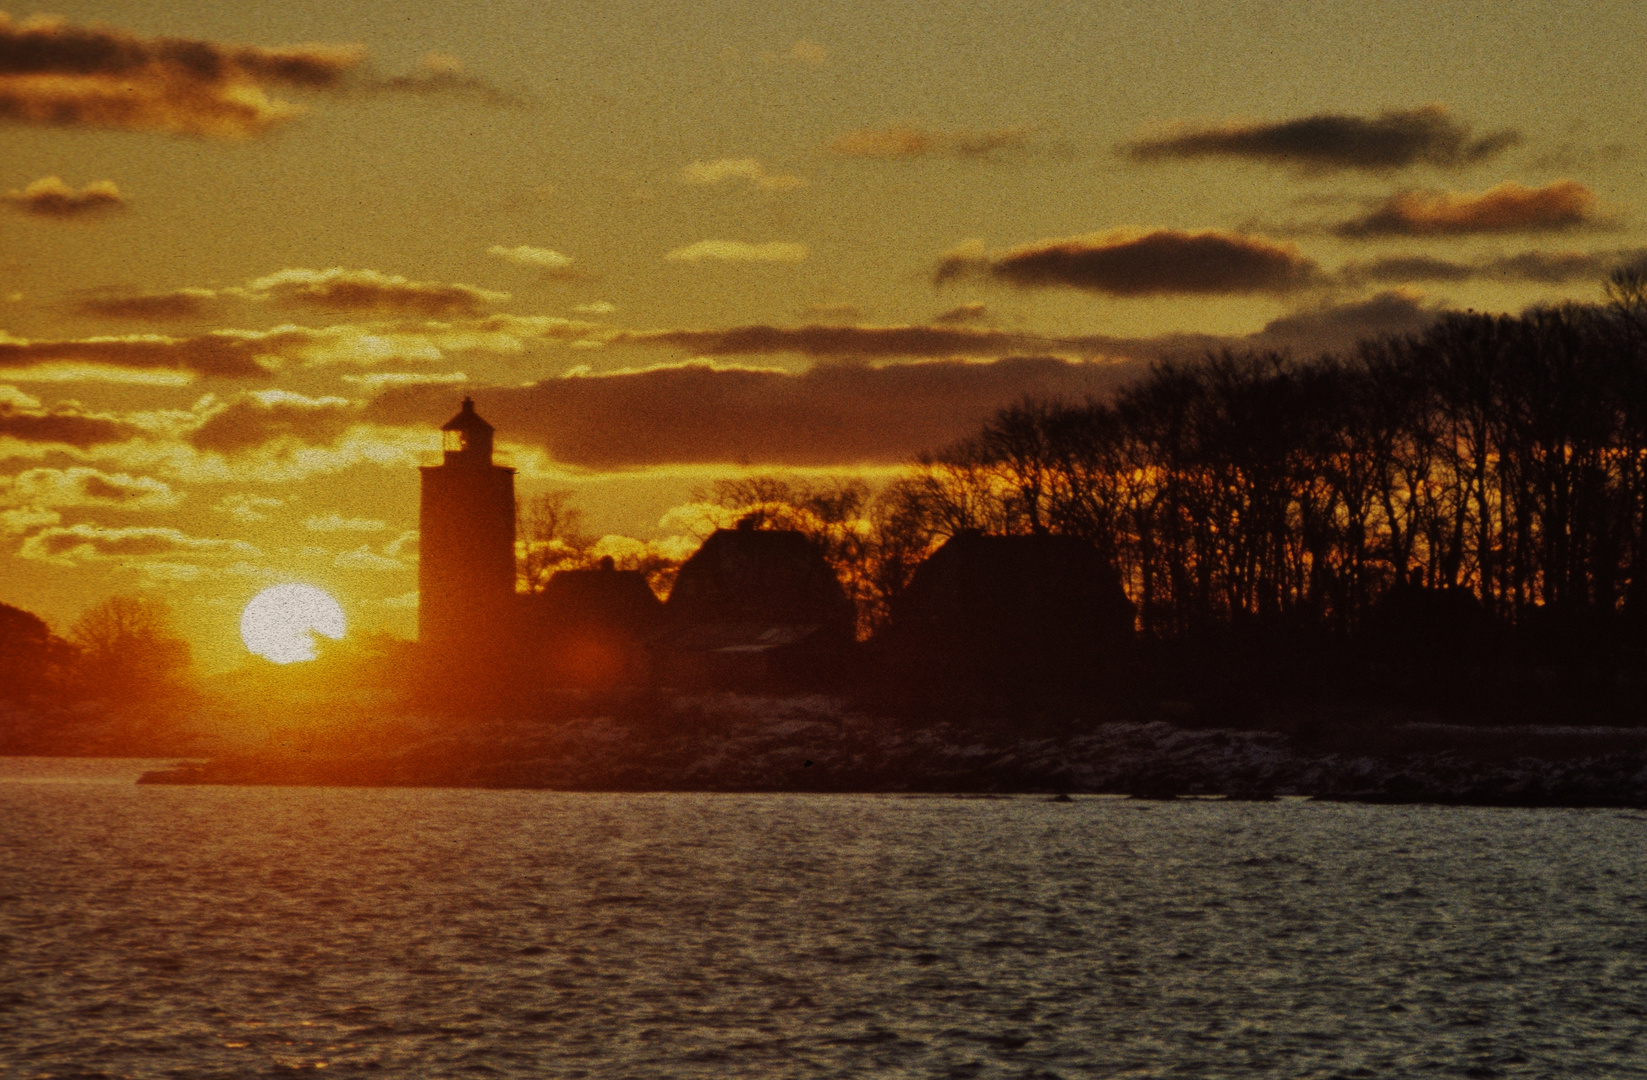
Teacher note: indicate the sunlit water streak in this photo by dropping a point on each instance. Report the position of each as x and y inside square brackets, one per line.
[206, 932]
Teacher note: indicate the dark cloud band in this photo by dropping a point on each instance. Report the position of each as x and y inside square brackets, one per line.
[1159, 263]
[1332, 142]
[66, 427]
[834, 414]
[1507, 208]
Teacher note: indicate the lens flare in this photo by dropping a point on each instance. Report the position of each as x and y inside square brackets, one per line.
[281, 622]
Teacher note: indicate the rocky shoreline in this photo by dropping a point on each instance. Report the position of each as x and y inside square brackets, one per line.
[729, 743]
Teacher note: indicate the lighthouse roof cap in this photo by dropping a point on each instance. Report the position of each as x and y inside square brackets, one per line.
[467, 419]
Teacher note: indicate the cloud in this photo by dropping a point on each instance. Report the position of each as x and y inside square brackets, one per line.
[1507, 208]
[377, 380]
[894, 143]
[738, 251]
[26, 420]
[406, 544]
[749, 169]
[1333, 142]
[187, 303]
[1537, 267]
[833, 414]
[87, 542]
[441, 74]
[230, 354]
[836, 340]
[270, 416]
[339, 290]
[56, 74]
[1127, 263]
[597, 307]
[63, 373]
[1334, 326]
[364, 558]
[339, 523]
[84, 486]
[552, 263]
[26, 520]
[809, 53]
[50, 197]
[252, 353]
[963, 313]
[246, 507]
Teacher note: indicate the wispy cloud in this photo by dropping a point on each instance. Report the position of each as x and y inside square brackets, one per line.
[1332, 142]
[1331, 325]
[892, 143]
[247, 508]
[1536, 267]
[746, 169]
[227, 354]
[836, 340]
[441, 74]
[50, 197]
[85, 486]
[775, 251]
[186, 303]
[364, 558]
[1128, 263]
[551, 263]
[56, 74]
[338, 523]
[374, 381]
[265, 416]
[809, 52]
[339, 290]
[963, 313]
[1507, 208]
[87, 542]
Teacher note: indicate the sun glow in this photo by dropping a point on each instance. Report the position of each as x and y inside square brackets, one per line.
[280, 623]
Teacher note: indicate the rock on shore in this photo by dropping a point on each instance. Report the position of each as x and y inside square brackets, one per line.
[732, 743]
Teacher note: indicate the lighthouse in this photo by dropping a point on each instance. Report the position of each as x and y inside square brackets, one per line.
[466, 561]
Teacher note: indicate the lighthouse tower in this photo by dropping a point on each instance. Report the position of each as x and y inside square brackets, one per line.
[466, 561]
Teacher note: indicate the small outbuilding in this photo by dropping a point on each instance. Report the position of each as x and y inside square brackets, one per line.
[986, 616]
[591, 627]
[755, 610]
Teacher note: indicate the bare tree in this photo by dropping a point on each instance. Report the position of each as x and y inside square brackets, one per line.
[130, 646]
[549, 537]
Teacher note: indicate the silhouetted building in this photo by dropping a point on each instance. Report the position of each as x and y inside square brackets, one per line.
[1010, 614]
[466, 561]
[755, 609]
[590, 628]
[1419, 628]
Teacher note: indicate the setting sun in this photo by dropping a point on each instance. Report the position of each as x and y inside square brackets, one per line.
[280, 623]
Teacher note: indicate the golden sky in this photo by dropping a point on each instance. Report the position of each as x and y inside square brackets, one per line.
[251, 258]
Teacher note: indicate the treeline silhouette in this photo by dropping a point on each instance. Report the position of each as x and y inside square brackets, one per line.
[1459, 516]
[1502, 455]
[119, 682]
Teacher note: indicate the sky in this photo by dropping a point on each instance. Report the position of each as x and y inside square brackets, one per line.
[252, 257]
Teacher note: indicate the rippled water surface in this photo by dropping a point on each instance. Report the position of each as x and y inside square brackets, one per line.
[201, 932]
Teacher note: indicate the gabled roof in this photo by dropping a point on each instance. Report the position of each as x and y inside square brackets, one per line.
[774, 577]
[1017, 586]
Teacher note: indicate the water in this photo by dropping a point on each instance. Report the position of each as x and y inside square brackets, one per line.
[219, 932]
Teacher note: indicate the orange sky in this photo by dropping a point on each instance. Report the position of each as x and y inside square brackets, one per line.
[253, 258]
